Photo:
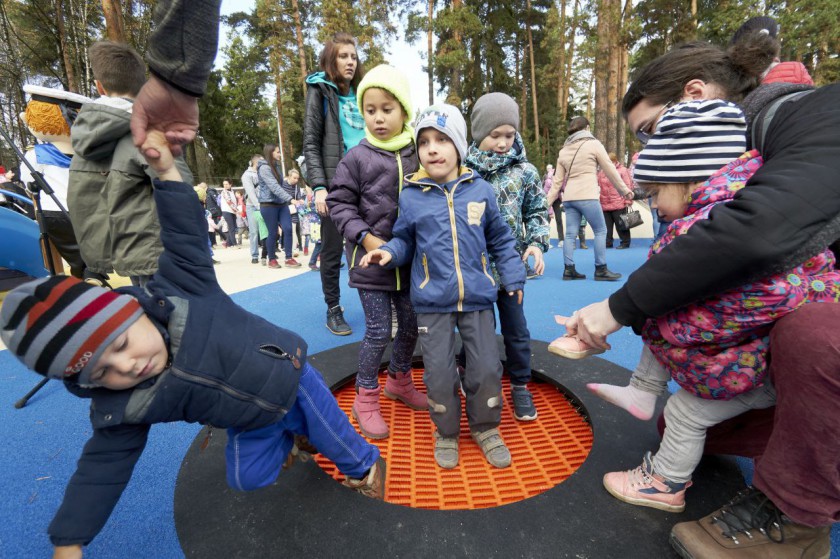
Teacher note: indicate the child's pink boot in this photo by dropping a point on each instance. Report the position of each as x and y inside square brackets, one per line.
[571, 347]
[400, 387]
[639, 403]
[367, 412]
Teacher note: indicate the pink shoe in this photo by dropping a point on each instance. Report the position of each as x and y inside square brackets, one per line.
[571, 347]
[645, 488]
[367, 412]
[401, 387]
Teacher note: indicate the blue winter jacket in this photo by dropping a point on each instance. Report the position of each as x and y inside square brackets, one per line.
[449, 232]
[228, 368]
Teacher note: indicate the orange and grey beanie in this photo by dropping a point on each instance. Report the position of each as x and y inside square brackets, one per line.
[59, 326]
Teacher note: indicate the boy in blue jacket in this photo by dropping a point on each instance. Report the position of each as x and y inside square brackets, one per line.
[448, 227]
[155, 354]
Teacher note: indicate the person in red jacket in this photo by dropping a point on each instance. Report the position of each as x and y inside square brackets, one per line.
[613, 205]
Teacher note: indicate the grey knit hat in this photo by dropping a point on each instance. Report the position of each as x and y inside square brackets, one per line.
[447, 119]
[491, 111]
[59, 326]
[692, 141]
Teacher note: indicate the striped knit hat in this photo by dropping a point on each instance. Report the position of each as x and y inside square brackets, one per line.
[692, 141]
[59, 326]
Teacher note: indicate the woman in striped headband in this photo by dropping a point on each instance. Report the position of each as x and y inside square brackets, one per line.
[715, 349]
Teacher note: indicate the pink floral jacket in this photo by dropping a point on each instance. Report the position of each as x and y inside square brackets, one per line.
[718, 348]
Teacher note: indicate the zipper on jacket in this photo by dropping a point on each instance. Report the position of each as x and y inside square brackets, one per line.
[450, 199]
[426, 270]
[230, 391]
[353, 259]
[399, 191]
[484, 267]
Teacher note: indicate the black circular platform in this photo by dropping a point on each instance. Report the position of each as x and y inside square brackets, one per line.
[307, 512]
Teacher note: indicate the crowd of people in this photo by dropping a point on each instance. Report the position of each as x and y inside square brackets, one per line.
[438, 233]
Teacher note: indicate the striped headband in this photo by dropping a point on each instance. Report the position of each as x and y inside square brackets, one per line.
[692, 141]
[59, 326]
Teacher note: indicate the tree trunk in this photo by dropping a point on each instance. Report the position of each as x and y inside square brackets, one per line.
[523, 94]
[431, 52]
[69, 71]
[561, 63]
[567, 78]
[601, 71]
[624, 74]
[455, 74]
[301, 50]
[613, 13]
[533, 75]
[114, 27]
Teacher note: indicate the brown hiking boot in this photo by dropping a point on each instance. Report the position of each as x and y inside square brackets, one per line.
[373, 484]
[750, 527]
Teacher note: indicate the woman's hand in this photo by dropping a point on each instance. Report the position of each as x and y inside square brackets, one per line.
[628, 195]
[375, 256]
[321, 202]
[593, 324]
[539, 261]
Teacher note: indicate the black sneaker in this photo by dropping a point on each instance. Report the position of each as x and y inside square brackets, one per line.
[530, 273]
[523, 403]
[255, 261]
[336, 323]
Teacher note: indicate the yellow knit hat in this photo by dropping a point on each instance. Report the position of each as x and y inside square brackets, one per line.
[391, 80]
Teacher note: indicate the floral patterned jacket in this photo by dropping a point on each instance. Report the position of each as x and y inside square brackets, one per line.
[519, 193]
[718, 348]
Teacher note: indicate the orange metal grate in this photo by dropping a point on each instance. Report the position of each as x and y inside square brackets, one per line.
[544, 453]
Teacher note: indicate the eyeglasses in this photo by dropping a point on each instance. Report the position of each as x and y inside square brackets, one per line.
[646, 131]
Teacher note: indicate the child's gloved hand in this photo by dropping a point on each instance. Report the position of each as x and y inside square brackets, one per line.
[159, 156]
[382, 257]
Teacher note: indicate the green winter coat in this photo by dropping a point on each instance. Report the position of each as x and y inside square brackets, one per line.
[110, 192]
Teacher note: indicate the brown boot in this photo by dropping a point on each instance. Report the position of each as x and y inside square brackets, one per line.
[373, 484]
[750, 527]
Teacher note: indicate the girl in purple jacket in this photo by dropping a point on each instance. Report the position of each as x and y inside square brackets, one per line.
[363, 203]
[715, 349]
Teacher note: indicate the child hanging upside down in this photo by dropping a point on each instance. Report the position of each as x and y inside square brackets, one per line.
[152, 355]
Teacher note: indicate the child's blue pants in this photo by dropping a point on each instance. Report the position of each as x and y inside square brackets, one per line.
[255, 457]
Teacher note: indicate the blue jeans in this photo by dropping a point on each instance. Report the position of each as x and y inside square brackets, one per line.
[253, 230]
[591, 209]
[316, 251]
[255, 458]
[516, 336]
[274, 215]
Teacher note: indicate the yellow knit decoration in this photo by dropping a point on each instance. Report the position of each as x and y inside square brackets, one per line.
[46, 118]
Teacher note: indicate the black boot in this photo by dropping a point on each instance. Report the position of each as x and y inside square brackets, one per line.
[582, 236]
[571, 274]
[335, 322]
[602, 274]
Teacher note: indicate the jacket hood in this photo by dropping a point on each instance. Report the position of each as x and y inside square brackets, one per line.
[489, 162]
[98, 128]
[320, 77]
